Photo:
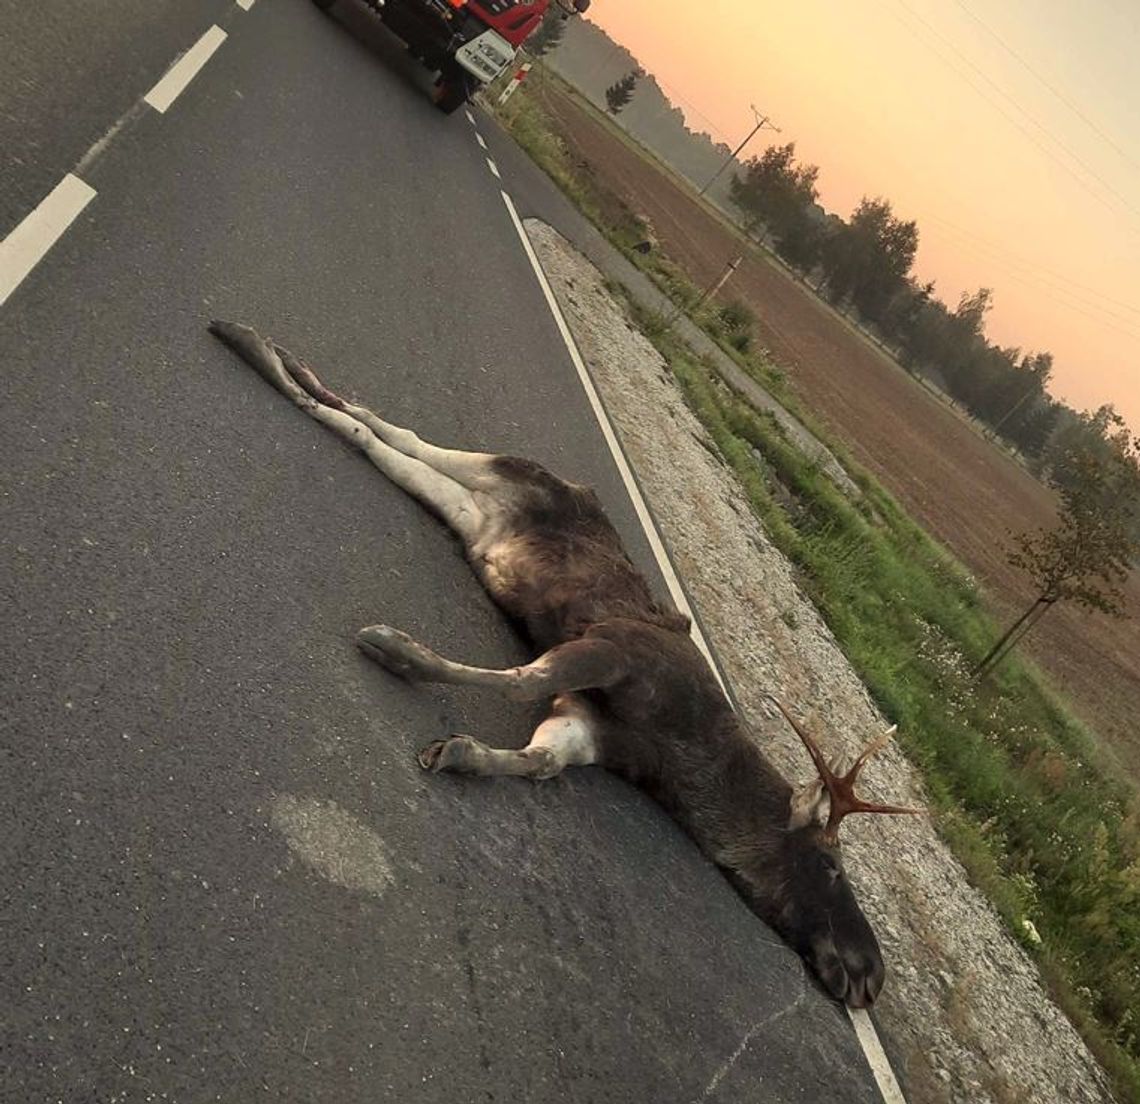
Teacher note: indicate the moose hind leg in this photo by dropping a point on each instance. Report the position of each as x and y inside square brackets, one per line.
[450, 500]
[473, 470]
[567, 738]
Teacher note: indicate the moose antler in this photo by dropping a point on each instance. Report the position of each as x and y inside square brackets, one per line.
[841, 789]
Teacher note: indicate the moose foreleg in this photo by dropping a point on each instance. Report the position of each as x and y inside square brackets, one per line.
[577, 665]
[565, 739]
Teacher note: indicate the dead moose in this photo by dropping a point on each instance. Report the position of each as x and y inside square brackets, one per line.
[629, 689]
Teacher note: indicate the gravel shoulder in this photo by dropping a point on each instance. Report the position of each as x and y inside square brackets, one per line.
[964, 1004]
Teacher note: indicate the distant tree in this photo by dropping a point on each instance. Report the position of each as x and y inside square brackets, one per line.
[970, 317]
[778, 194]
[1031, 428]
[1002, 387]
[800, 240]
[621, 92]
[1040, 366]
[1017, 398]
[926, 342]
[868, 259]
[1087, 556]
[981, 374]
[549, 36]
[900, 317]
[1075, 434]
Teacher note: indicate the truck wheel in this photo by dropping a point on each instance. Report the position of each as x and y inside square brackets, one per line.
[451, 90]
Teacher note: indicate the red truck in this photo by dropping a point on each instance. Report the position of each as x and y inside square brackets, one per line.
[468, 42]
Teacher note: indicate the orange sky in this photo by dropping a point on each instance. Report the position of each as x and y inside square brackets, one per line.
[1009, 129]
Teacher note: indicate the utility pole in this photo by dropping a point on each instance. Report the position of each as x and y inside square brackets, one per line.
[710, 291]
[1034, 389]
[761, 121]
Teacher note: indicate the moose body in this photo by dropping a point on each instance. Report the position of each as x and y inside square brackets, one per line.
[629, 689]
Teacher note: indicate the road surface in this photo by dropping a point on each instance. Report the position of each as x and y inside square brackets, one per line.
[224, 876]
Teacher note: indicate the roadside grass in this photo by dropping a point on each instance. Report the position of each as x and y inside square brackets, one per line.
[1020, 790]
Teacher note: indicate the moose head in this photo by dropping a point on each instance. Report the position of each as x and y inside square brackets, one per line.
[804, 892]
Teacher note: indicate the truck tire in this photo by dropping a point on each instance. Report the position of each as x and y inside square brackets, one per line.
[452, 90]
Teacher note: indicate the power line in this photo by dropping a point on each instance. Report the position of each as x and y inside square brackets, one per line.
[672, 92]
[1065, 291]
[1006, 96]
[1009, 118]
[1061, 296]
[1074, 108]
[1064, 296]
[1046, 274]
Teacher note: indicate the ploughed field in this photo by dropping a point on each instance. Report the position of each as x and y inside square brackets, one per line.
[968, 493]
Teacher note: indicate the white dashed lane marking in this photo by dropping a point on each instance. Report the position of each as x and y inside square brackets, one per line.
[26, 245]
[470, 117]
[245, 5]
[30, 241]
[183, 71]
[494, 168]
[482, 142]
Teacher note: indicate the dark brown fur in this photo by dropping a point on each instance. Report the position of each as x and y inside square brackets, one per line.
[569, 569]
[550, 558]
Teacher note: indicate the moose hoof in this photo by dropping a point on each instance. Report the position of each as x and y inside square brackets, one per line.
[395, 651]
[441, 755]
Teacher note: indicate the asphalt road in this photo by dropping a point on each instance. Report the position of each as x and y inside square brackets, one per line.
[223, 875]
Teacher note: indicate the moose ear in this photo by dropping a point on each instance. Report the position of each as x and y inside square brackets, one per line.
[809, 804]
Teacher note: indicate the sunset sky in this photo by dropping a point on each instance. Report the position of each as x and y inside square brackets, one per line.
[1009, 129]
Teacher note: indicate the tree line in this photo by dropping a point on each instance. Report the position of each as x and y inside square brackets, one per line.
[865, 263]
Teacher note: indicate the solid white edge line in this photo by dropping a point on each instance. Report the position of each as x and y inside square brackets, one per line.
[183, 71]
[39, 230]
[876, 1057]
[494, 169]
[481, 140]
[676, 592]
[865, 1031]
